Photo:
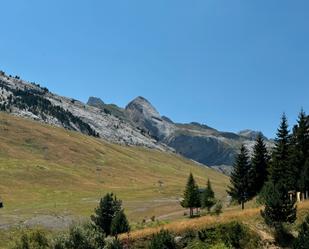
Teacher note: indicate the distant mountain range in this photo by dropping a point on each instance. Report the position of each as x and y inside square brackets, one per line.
[138, 124]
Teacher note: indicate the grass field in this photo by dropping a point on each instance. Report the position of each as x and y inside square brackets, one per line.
[48, 171]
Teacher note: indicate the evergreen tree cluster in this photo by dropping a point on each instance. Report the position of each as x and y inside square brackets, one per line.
[195, 198]
[249, 174]
[281, 172]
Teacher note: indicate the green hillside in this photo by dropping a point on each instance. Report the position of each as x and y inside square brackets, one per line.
[46, 170]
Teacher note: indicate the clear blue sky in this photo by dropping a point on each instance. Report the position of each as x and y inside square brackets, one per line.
[231, 64]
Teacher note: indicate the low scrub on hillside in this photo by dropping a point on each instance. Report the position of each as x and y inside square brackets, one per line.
[229, 235]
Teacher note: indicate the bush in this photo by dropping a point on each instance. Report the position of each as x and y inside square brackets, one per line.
[113, 244]
[86, 236]
[33, 240]
[302, 240]
[162, 240]
[233, 235]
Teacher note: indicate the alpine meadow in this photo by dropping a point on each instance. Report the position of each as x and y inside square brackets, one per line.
[154, 124]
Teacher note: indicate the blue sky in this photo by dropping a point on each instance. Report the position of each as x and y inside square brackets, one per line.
[229, 64]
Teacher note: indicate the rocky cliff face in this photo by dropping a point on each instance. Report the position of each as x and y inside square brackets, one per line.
[29, 100]
[145, 116]
[139, 123]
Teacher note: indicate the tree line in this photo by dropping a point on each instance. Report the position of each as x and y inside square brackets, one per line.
[275, 176]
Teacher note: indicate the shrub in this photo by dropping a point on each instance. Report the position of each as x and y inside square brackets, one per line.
[33, 240]
[86, 236]
[162, 240]
[302, 240]
[114, 244]
[232, 235]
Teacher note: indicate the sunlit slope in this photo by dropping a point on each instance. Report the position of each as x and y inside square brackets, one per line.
[49, 170]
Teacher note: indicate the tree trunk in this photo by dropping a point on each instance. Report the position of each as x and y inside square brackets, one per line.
[191, 212]
[242, 205]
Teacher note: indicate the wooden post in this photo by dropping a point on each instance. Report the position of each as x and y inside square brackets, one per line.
[298, 197]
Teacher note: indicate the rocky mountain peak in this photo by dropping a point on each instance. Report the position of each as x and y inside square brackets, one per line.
[94, 101]
[144, 114]
[143, 106]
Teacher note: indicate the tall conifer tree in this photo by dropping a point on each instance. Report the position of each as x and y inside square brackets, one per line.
[280, 167]
[240, 182]
[191, 195]
[259, 162]
[208, 197]
[300, 151]
[279, 207]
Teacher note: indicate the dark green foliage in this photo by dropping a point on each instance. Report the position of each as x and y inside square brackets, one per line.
[240, 189]
[233, 235]
[162, 240]
[120, 224]
[114, 244]
[300, 152]
[279, 208]
[108, 207]
[259, 162]
[85, 236]
[191, 195]
[302, 241]
[34, 240]
[280, 166]
[208, 197]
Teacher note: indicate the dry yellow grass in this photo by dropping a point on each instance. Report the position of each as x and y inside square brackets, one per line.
[249, 216]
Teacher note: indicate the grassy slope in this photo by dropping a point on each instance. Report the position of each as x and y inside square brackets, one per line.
[48, 170]
[250, 217]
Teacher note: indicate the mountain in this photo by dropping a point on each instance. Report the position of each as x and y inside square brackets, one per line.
[138, 124]
[30, 100]
[196, 141]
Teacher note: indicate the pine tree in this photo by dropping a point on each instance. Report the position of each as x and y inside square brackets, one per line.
[208, 197]
[191, 195]
[108, 207]
[119, 224]
[279, 208]
[240, 182]
[300, 151]
[259, 162]
[280, 167]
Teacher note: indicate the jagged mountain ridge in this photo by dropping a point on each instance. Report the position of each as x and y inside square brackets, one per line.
[196, 141]
[139, 123]
[25, 99]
